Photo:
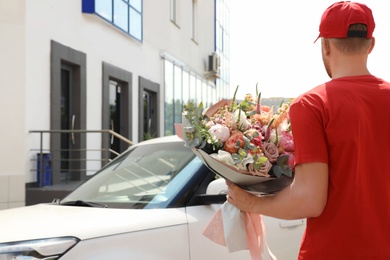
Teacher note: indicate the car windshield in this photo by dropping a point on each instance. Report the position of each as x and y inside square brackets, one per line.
[146, 176]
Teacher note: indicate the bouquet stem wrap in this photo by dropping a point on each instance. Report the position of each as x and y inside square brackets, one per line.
[239, 230]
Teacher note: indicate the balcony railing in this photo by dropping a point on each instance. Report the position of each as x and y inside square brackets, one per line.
[54, 164]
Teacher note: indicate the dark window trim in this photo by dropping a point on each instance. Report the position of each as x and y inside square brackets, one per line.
[111, 72]
[62, 55]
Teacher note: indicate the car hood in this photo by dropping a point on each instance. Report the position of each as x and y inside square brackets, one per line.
[46, 220]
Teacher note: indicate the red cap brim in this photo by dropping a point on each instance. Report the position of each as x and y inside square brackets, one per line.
[317, 38]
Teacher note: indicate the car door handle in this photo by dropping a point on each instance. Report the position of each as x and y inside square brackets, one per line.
[291, 223]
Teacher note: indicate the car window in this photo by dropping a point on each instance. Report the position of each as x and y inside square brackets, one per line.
[145, 175]
[176, 185]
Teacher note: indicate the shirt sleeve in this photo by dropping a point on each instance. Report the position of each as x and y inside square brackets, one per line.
[308, 117]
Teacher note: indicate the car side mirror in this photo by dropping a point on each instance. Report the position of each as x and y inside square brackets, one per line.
[215, 193]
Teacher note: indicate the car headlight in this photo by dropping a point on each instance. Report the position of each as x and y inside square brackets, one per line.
[48, 249]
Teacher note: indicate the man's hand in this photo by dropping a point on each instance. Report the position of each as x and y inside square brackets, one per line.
[305, 197]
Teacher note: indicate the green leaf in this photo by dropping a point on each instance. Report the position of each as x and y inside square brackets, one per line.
[259, 161]
[250, 113]
[282, 167]
[234, 99]
[258, 104]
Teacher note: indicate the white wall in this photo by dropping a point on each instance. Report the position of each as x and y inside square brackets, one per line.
[26, 30]
[13, 133]
[161, 33]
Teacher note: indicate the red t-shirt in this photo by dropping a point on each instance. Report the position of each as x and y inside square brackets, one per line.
[346, 124]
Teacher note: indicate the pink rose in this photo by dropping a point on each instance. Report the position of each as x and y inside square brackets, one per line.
[209, 124]
[271, 151]
[220, 132]
[258, 141]
[291, 160]
[255, 136]
[286, 142]
[262, 171]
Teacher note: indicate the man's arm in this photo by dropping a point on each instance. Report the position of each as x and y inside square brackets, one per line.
[305, 197]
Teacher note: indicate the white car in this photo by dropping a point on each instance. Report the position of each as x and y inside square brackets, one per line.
[152, 202]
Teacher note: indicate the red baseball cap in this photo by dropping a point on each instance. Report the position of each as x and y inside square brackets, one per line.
[339, 16]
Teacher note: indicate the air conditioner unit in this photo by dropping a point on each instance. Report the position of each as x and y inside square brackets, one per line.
[214, 63]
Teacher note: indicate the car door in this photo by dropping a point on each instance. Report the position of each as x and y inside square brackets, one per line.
[200, 246]
[282, 236]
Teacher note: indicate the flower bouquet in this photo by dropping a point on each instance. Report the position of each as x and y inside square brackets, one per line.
[244, 142]
[250, 145]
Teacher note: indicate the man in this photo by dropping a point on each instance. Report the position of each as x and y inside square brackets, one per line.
[342, 149]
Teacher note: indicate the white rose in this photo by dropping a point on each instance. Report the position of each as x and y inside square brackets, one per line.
[224, 157]
[272, 136]
[243, 123]
[245, 162]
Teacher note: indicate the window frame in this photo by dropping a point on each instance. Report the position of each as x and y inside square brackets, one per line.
[90, 7]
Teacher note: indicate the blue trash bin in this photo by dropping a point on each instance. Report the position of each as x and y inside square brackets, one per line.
[45, 180]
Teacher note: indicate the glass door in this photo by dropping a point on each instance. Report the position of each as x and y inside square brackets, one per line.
[116, 113]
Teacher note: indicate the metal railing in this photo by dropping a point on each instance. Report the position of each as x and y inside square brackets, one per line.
[51, 144]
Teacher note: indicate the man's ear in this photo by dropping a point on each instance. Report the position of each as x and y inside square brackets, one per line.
[325, 44]
[372, 45]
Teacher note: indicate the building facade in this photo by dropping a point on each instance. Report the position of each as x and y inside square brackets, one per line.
[75, 71]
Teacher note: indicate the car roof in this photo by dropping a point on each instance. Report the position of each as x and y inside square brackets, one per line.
[163, 139]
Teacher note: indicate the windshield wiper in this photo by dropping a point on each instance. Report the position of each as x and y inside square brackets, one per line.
[83, 203]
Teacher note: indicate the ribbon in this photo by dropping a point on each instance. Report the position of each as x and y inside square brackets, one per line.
[238, 230]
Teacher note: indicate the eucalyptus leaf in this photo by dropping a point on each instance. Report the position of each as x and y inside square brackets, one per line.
[251, 113]
[282, 167]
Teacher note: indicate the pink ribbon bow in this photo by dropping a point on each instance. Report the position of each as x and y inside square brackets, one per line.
[238, 231]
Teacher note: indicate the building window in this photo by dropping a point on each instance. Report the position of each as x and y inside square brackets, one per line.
[181, 87]
[126, 15]
[174, 11]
